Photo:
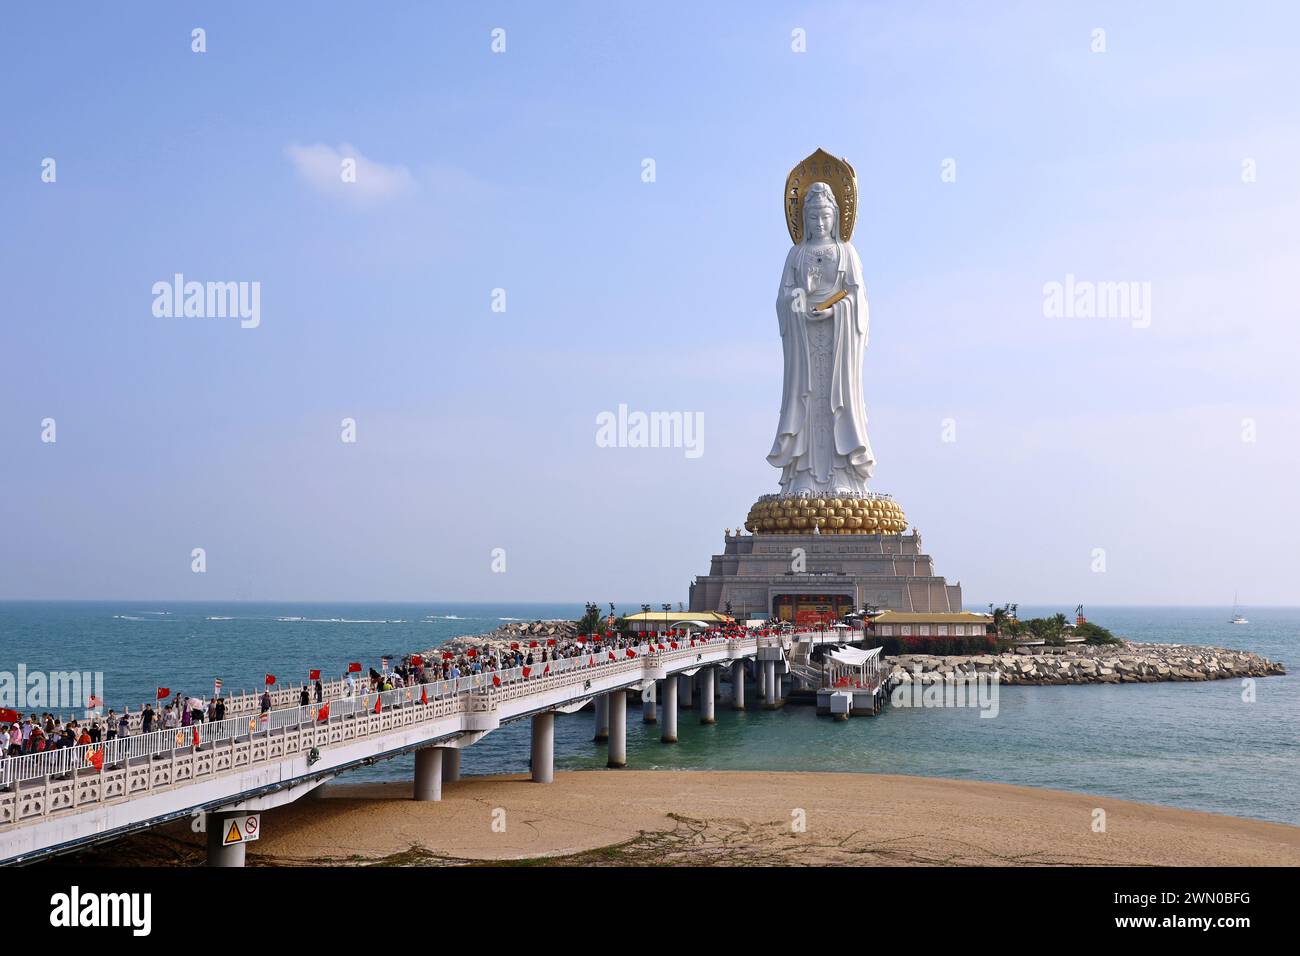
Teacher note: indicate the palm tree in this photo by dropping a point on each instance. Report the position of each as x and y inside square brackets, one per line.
[999, 619]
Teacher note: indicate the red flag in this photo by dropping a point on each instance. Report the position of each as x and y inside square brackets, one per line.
[514, 645]
[379, 701]
[324, 712]
[496, 681]
[424, 695]
[448, 656]
[9, 716]
[527, 671]
[196, 738]
[472, 652]
[164, 693]
[546, 670]
[532, 643]
[631, 653]
[96, 758]
[591, 661]
[416, 660]
[673, 645]
[354, 667]
[270, 679]
[550, 642]
[313, 675]
[612, 657]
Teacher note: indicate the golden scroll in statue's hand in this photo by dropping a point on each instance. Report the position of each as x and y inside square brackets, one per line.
[831, 301]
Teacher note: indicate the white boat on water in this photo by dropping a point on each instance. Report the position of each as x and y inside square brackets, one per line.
[1236, 613]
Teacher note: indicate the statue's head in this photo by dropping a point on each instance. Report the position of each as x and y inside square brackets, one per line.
[821, 214]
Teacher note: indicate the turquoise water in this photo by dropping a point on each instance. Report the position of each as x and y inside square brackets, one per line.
[1189, 745]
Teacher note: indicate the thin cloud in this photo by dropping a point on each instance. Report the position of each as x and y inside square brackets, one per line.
[363, 180]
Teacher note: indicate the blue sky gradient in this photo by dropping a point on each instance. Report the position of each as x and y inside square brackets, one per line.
[522, 170]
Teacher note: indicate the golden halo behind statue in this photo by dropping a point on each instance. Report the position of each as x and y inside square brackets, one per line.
[821, 167]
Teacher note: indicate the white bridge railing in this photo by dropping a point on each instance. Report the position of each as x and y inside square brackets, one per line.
[474, 693]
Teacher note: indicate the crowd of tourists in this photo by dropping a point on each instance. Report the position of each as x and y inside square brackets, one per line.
[32, 734]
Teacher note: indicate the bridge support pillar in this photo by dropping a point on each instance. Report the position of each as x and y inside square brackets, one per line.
[670, 711]
[707, 687]
[771, 686]
[648, 705]
[687, 698]
[717, 683]
[543, 754]
[759, 672]
[738, 685]
[428, 773]
[218, 854]
[450, 764]
[602, 718]
[617, 728]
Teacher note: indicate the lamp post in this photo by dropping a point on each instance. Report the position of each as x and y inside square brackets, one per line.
[668, 609]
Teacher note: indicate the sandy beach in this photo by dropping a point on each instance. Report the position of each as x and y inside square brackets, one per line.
[591, 818]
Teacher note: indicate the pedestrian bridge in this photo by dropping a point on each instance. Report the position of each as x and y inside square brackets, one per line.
[60, 800]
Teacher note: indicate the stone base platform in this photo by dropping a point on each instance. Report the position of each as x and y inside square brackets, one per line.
[762, 574]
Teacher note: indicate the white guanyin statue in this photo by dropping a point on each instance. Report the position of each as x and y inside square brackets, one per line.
[821, 441]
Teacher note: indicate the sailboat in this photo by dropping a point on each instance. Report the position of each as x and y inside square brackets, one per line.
[1236, 612]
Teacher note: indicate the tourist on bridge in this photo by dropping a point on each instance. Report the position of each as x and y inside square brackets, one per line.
[266, 701]
[124, 724]
[320, 691]
[218, 709]
[304, 698]
[146, 719]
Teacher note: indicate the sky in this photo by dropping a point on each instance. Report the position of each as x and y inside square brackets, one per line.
[501, 157]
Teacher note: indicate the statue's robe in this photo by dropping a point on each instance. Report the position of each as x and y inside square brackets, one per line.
[792, 451]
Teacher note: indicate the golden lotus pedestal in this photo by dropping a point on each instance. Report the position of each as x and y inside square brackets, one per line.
[775, 514]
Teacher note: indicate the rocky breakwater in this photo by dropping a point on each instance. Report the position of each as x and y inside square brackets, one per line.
[1127, 663]
[522, 633]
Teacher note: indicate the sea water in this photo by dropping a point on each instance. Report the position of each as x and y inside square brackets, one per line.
[1201, 746]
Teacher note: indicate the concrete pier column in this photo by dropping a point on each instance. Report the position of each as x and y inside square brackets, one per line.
[670, 711]
[543, 753]
[759, 673]
[771, 690]
[687, 698]
[648, 705]
[617, 729]
[428, 773]
[738, 685]
[707, 686]
[450, 764]
[717, 684]
[219, 855]
[602, 719]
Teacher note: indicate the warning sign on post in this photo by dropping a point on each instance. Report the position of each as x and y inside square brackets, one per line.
[242, 829]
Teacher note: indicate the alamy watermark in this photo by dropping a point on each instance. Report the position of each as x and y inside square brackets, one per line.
[179, 299]
[624, 429]
[975, 691]
[26, 691]
[1084, 299]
